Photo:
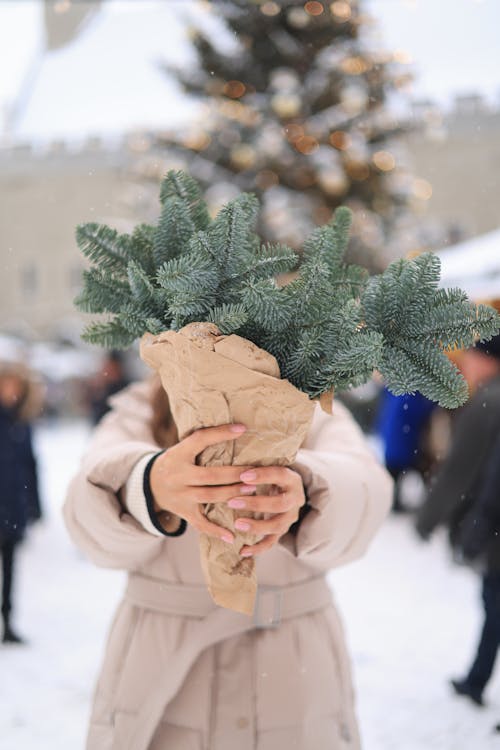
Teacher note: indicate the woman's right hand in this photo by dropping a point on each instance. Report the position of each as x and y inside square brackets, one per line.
[181, 487]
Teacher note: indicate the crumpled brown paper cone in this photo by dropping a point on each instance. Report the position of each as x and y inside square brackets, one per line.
[213, 379]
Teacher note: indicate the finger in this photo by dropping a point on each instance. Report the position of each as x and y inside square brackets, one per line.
[195, 443]
[278, 524]
[214, 475]
[222, 494]
[262, 546]
[265, 503]
[201, 523]
[282, 476]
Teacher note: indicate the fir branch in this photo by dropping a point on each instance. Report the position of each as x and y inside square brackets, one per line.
[180, 185]
[104, 247]
[342, 222]
[102, 292]
[456, 325]
[154, 326]
[141, 248]
[187, 272]
[132, 319]
[111, 334]
[486, 323]
[360, 352]
[173, 232]
[140, 285]
[228, 318]
[268, 261]
[392, 297]
[424, 368]
[264, 301]
[310, 294]
[329, 328]
[188, 304]
[330, 241]
[304, 360]
[231, 232]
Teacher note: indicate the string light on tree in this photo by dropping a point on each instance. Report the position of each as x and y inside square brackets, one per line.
[286, 105]
[422, 189]
[266, 179]
[298, 18]
[306, 144]
[314, 8]
[353, 99]
[402, 57]
[270, 9]
[355, 66]
[384, 161]
[62, 6]
[197, 140]
[243, 156]
[234, 89]
[334, 181]
[341, 11]
[340, 140]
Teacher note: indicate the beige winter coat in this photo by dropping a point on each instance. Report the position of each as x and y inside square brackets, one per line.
[281, 688]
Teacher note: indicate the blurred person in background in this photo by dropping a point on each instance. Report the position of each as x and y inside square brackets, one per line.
[456, 494]
[19, 498]
[111, 378]
[402, 424]
[480, 545]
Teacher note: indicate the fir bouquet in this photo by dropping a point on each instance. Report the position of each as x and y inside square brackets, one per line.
[230, 344]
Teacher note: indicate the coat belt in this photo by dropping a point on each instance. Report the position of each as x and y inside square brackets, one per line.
[209, 625]
[272, 605]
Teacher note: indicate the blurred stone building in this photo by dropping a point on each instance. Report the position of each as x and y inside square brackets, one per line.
[43, 196]
[459, 155]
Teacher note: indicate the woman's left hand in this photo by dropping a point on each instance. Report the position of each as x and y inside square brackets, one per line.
[284, 503]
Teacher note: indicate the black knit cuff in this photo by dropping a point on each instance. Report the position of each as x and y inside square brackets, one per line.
[153, 515]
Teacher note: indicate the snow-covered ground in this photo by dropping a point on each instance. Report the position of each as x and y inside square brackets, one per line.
[411, 619]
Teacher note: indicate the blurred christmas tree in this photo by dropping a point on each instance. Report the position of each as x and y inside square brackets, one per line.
[297, 113]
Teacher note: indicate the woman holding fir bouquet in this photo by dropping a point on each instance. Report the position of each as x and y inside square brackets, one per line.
[167, 464]
[284, 683]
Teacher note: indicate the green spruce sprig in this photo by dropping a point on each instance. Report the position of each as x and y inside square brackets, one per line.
[329, 328]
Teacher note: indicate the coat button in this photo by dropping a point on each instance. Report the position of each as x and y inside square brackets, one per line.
[242, 722]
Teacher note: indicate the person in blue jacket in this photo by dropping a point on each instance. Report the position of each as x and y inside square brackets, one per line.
[401, 423]
[19, 498]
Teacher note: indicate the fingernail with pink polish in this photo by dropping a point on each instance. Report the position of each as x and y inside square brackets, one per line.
[248, 476]
[236, 503]
[237, 428]
[242, 525]
[246, 554]
[248, 489]
[228, 538]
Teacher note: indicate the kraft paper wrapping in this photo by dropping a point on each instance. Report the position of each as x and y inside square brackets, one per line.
[211, 380]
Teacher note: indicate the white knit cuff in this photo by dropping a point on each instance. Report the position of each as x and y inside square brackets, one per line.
[134, 498]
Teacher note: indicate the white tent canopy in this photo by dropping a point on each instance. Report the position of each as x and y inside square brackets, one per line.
[474, 265]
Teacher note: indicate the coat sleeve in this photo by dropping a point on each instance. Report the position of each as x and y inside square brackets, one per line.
[32, 484]
[489, 492]
[482, 522]
[96, 519]
[455, 484]
[349, 493]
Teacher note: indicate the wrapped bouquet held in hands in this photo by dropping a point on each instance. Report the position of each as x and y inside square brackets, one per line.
[231, 345]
